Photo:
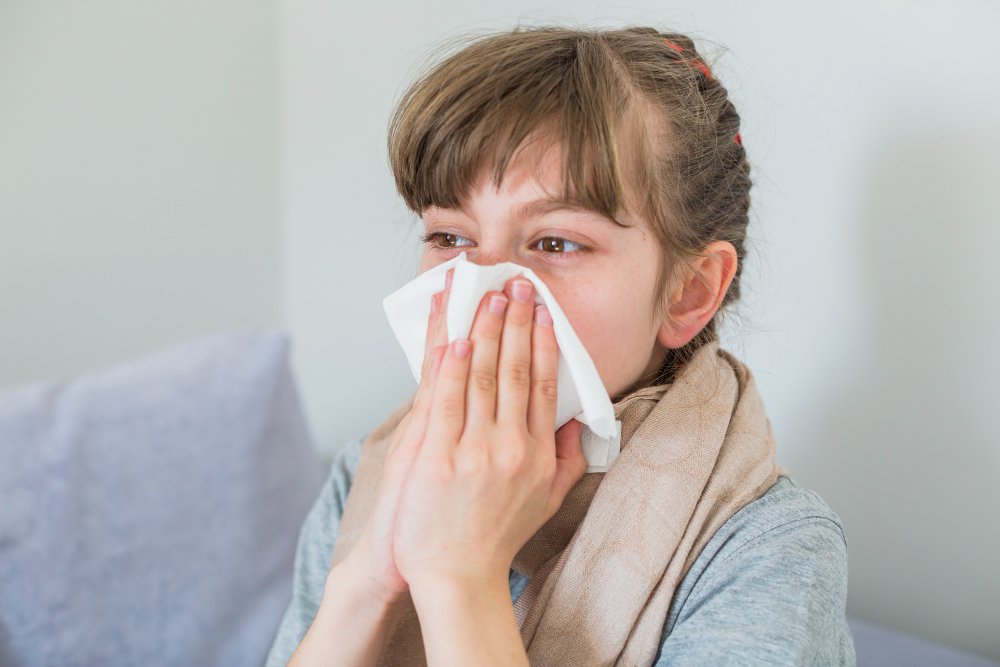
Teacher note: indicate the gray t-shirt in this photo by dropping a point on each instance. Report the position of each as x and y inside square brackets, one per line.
[769, 588]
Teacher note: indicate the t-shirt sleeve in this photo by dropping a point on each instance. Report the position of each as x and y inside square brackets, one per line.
[312, 554]
[777, 599]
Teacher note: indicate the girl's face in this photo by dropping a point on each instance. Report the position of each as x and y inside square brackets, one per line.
[602, 275]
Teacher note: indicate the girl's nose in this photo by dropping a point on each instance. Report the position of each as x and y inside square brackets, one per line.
[485, 256]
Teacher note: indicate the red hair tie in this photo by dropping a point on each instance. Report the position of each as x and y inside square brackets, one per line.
[692, 61]
[676, 47]
[702, 67]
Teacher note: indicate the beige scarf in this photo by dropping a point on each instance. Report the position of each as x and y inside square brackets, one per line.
[604, 568]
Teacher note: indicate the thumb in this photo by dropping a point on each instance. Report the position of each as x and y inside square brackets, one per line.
[570, 462]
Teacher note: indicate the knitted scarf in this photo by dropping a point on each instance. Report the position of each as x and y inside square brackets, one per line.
[604, 568]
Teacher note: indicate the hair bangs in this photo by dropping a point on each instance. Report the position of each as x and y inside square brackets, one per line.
[470, 118]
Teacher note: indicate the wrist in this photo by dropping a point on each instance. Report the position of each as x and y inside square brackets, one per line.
[352, 581]
[351, 624]
[465, 619]
[458, 588]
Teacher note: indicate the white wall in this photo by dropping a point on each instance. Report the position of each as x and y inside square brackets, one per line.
[868, 317]
[138, 178]
[173, 168]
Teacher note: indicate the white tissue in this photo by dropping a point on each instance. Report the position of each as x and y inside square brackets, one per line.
[580, 393]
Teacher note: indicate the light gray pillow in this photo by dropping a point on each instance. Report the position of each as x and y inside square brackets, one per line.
[149, 512]
[879, 646]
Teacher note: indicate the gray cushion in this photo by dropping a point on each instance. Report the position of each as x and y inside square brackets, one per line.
[149, 512]
[879, 646]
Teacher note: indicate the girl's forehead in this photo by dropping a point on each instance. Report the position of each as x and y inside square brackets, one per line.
[532, 184]
[516, 212]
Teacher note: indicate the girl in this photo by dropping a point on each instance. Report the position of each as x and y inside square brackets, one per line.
[464, 529]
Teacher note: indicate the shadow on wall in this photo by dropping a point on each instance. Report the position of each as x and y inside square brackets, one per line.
[909, 434]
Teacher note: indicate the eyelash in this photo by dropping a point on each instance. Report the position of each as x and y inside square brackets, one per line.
[431, 240]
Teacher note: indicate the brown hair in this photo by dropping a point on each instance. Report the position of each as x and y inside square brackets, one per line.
[629, 102]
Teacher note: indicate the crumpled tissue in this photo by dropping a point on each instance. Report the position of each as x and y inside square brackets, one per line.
[580, 394]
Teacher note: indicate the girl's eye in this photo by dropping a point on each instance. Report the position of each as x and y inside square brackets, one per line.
[558, 246]
[550, 245]
[446, 240]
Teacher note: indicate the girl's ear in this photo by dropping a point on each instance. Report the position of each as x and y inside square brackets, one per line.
[702, 286]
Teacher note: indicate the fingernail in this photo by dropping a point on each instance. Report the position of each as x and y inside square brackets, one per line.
[461, 347]
[542, 314]
[447, 278]
[521, 289]
[436, 303]
[497, 304]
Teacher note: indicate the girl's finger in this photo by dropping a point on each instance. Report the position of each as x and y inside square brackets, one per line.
[571, 464]
[514, 375]
[447, 411]
[544, 375]
[437, 325]
[431, 333]
[430, 342]
[440, 335]
[481, 394]
[416, 420]
[422, 411]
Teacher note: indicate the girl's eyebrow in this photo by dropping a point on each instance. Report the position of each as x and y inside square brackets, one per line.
[546, 205]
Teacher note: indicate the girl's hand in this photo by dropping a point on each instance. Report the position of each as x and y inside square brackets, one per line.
[491, 469]
[371, 560]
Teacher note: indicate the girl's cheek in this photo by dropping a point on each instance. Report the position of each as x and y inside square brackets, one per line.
[590, 328]
[428, 261]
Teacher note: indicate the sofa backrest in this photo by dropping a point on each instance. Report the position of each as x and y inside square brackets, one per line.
[149, 511]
